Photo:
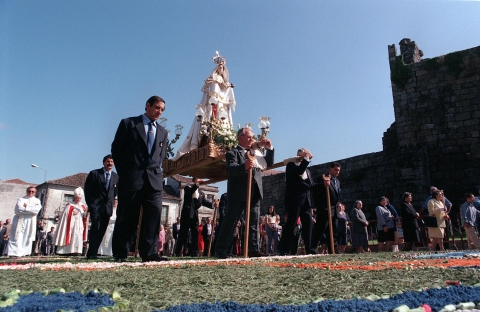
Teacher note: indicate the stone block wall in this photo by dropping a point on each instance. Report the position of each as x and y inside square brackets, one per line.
[438, 109]
[434, 139]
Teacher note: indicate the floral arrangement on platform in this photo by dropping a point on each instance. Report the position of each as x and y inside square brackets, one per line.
[220, 133]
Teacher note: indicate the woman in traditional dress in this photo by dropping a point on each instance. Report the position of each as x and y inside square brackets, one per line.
[105, 248]
[359, 228]
[342, 228]
[436, 208]
[72, 229]
[385, 225]
[411, 231]
[218, 101]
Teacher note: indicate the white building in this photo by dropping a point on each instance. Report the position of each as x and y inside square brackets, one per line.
[10, 191]
[56, 194]
[177, 183]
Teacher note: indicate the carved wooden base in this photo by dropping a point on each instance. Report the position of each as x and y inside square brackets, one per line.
[207, 162]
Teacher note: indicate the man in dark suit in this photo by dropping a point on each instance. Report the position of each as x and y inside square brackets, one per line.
[298, 202]
[100, 191]
[222, 207]
[193, 199]
[238, 165]
[138, 151]
[321, 229]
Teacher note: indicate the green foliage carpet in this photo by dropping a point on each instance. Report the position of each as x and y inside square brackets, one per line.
[159, 287]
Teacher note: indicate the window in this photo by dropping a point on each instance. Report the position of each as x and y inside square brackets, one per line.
[67, 198]
[164, 215]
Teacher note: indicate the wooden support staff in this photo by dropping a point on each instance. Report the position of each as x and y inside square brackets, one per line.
[138, 231]
[247, 206]
[330, 225]
[214, 224]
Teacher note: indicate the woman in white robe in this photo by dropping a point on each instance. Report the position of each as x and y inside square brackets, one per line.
[218, 100]
[105, 248]
[24, 224]
[72, 229]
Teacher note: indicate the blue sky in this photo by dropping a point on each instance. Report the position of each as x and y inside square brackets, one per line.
[70, 70]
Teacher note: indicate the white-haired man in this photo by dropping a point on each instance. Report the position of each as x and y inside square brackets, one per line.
[72, 228]
[24, 224]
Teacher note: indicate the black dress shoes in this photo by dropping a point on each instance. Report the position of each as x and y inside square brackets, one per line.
[221, 256]
[154, 258]
[119, 260]
[92, 257]
[256, 254]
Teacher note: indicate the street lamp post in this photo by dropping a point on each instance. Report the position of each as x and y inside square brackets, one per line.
[45, 170]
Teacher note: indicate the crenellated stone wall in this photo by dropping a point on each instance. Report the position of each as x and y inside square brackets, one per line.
[434, 139]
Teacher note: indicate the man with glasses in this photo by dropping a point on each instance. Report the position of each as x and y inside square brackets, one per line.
[24, 224]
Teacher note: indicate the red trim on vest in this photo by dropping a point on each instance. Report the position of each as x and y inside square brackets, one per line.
[85, 225]
[67, 237]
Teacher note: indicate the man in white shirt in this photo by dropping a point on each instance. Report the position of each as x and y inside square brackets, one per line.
[470, 216]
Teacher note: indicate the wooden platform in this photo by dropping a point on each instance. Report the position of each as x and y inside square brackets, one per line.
[206, 162]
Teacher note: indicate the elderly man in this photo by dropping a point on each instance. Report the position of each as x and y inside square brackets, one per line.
[24, 224]
[298, 202]
[470, 216]
[238, 165]
[73, 226]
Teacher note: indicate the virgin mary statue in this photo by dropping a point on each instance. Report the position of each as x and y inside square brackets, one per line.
[218, 101]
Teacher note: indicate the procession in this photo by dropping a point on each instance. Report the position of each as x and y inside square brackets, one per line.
[116, 216]
[318, 156]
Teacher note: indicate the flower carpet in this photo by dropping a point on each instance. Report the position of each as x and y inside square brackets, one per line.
[369, 282]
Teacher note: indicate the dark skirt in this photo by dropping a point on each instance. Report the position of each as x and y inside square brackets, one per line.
[411, 235]
[341, 239]
[360, 238]
[386, 236]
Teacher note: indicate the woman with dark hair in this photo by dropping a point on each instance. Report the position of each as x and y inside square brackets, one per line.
[437, 208]
[385, 225]
[271, 227]
[359, 228]
[411, 231]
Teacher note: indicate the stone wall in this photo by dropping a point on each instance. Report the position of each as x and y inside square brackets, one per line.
[9, 193]
[433, 141]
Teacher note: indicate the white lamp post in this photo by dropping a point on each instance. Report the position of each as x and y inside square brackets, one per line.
[264, 125]
[45, 175]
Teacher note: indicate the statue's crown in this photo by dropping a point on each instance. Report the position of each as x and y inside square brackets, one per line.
[218, 59]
